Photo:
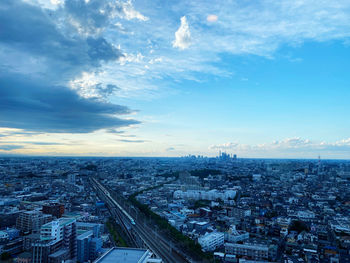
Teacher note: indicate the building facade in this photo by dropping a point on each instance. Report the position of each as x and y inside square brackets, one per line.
[211, 241]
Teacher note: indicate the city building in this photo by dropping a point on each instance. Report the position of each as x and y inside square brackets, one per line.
[71, 178]
[253, 251]
[205, 195]
[238, 212]
[54, 209]
[88, 246]
[234, 236]
[211, 241]
[57, 242]
[29, 221]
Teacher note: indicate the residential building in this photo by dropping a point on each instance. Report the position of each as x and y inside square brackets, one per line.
[253, 251]
[58, 235]
[211, 241]
[54, 209]
[29, 221]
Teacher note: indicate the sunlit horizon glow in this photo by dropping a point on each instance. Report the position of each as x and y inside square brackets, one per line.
[153, 78]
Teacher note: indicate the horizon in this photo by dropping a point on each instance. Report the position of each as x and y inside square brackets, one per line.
[122, 78]
[166, 157]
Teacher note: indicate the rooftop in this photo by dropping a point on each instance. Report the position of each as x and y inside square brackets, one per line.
[84, 234]
[125, 255]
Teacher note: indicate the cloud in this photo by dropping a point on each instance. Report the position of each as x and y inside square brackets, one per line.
[113, 131]
[134, 141]
[15, 132]
[182, 35]
[40, 39]
[288, 145]
[295, 142]
[10, 147]
[57, 2]
[131, 58]
[29, 105]
[43, 143]
[41, 100]
[94, 16]
[258, 28]
[130, 13]
[88, 86]
[34, 142]
[89, 17]
[170, 149]
[212, 18]
[225, 146]
[261, 27]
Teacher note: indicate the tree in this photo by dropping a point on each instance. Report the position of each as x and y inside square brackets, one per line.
[5, 256]
[299, 226]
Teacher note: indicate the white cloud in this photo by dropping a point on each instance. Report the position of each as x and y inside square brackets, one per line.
[138, 58]
[56, 2]
[260, 28]
[212, 18]
[288, 145]
[130, 13]
[182, 35]
[295, 142]
[90, 85]
[225, 146]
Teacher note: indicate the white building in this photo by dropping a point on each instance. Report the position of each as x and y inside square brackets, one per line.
[306, 215]
[233, 235]
[56, 236]
[205, 195]
[211, 241]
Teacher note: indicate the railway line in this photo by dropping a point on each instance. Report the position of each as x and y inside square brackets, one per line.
[135, 226]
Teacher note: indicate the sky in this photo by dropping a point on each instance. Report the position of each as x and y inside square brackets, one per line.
[260, 79]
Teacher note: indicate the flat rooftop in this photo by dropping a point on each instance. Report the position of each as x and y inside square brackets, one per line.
[125, 255]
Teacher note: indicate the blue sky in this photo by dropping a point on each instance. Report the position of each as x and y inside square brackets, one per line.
[171, 78]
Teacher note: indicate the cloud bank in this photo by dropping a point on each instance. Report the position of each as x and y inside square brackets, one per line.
[39, 56]
[289, 145]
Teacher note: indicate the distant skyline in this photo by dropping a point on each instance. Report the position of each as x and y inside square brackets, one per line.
[260, 79]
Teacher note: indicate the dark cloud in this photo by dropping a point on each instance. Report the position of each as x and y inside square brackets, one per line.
[114, 131]
[45, 143]
[106, 91]
[26, 133]
[36, 143]
[91, 15]
[42, 102]
[25, 104]
[30, 29]
[10, 147]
